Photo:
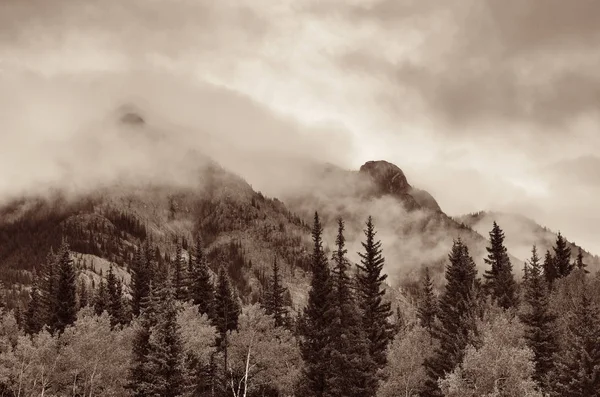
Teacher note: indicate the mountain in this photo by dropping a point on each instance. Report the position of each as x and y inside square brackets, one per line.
[521, 233]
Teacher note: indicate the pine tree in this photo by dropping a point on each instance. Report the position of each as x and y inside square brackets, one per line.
[351, 367]
[427, 308]
[562, 257]
[499, 280]
[102, 299]
[164, 363]
[115, 298]
[578, 367]
[82, 294]
[66, 296]
[34, 321]
[48, 287]
[140, 379]
[550, 271]
[579, 261]
[456, 318]
[314, 325]
[274, 301]
[141, 277]
[539, 321]
[227, 307]
[375, 311]
[201, 287]
[180, 276]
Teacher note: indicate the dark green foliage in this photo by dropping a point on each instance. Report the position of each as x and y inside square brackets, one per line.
[274, 300]
[562, 257]
[201, 288]
[375, 312]
[427, 306]
[34, 320]
[578, 367]
[456, 325]
[539, 321]
[499, 280]
[66, 299]
[115, 299]
[550, 271]
[352, 371]
[82, 294]
[101, 299]
[227, 307]
[314, 325]
[180, 276]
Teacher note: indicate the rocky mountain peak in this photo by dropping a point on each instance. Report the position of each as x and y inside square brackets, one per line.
[388, 177]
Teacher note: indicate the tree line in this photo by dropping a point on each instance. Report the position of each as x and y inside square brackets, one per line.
[179, 330]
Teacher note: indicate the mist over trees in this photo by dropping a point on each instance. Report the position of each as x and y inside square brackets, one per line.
[182, 327]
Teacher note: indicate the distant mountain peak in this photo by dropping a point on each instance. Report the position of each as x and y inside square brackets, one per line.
[389, 177]
[130, 115]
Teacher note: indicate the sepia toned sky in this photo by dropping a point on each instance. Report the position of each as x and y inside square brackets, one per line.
[487, 104]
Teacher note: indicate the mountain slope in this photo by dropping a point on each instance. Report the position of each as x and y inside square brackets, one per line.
[521, 233]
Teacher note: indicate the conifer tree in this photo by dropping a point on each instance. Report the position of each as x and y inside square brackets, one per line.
[550, 271]
[180, 276]
[141, 277]
[115, 298]
[227, 307]
[539, 321]
[48, 287]
[499, 279]
[427, 308]
[66, 299]
[82, 294]
[101, 299]
[456, 314]
[274, 302]
[579, 261]
[34, 320]
[165, 348]
[202, 290]
[578, 367]
[314, 325]
[353, 372]
[562, 257]
[375, 312]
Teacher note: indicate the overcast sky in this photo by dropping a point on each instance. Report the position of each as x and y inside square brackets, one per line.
[487, 104]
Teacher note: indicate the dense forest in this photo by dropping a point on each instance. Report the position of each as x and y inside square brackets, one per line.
[180, 327]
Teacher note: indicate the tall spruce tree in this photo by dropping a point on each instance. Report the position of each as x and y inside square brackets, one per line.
[101, 299]
[48, 287]
[115, 298]
[579, 264]
[227, 307]
[499, 279]
[82, 294]
[456, 315]
[164, 363]
[352, 371]
[550, 271]
[539, 321]
[375, 312]
[274, 301]
[578, 366]
[34, 320]
[141, 277]
[66, 290]
[314, 325]
[427, 307]
[562, 257]
[180, 276]
[202, 290]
